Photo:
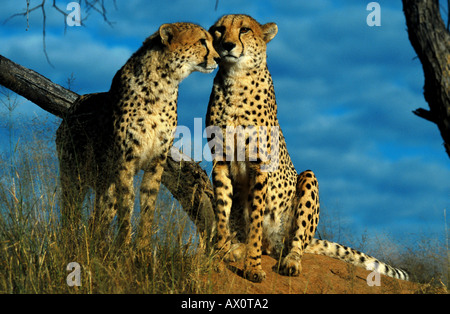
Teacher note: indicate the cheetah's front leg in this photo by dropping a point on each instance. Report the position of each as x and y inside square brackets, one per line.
[223, 192]
[125, 205]
[252, 264]
[149, 189]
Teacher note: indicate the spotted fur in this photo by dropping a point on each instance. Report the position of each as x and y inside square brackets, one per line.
[106, 138]
[275, 211]
[352, 256]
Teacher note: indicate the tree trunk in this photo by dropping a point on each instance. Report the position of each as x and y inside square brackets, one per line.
[431, 41]
[186, 180]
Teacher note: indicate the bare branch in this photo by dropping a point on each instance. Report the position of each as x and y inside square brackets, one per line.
[26, 13]
[426, 114]
[64, 14]
[102, 11]
[44, 45]
[94, 5]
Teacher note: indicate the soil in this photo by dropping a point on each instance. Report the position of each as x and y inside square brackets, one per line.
[320, 275]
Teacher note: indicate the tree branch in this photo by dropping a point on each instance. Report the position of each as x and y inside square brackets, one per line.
[89, 5]
[186, 180]
[35, 87]
[431, 41]
[425, 114]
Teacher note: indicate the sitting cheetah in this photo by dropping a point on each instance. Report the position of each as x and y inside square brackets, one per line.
[260, 208]
[106, 138]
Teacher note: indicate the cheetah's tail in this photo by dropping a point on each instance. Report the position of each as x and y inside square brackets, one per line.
[349, 255]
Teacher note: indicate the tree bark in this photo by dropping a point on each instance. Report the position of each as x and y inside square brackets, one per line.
[431, 41]
[36, 88]
[186, 180]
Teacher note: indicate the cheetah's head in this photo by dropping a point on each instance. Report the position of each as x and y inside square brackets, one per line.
[190, 48]
[241, 40]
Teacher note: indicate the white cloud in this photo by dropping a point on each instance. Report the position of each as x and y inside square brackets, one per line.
[93, 63]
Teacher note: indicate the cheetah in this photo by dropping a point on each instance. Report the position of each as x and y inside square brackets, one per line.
[260, 208]
[106, 138]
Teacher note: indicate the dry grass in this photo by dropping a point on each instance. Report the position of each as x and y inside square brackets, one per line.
[34, 254]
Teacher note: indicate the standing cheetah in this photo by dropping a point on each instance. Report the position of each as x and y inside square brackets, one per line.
[259, 208]
[106, 138]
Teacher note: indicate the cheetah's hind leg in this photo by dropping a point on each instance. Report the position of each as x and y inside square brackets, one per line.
[72, 196]
[102, 215]
[304, 220]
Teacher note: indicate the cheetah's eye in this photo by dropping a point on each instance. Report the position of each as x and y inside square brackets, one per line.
[203, 42]
[244, 30]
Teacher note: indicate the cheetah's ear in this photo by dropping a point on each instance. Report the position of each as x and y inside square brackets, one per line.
[269, 31]
[166, 31]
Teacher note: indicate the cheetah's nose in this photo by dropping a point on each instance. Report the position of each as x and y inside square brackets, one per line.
[228, 46]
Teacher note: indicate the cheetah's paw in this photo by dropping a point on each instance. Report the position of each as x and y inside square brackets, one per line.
[290, 265]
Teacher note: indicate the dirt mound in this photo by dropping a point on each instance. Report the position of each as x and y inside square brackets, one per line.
[320, 275]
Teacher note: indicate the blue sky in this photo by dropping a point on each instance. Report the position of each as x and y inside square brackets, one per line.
[345, 94]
